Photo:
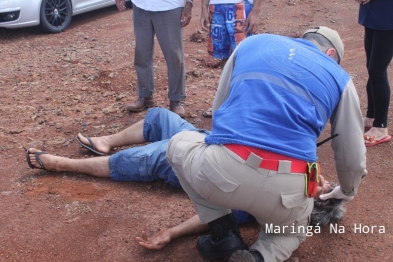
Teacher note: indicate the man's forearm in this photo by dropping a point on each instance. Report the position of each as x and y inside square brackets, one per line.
[348, 146]
[190, 227]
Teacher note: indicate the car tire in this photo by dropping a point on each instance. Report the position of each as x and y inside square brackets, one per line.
[55, 15]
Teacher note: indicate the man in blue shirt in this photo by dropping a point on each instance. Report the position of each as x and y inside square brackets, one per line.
[275, 97]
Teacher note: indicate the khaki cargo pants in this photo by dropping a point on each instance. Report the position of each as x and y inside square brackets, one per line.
[217, 180]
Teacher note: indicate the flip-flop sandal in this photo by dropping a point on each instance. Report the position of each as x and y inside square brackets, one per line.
[37, 157]
[91, 146]
[208, 113]
[369, 140]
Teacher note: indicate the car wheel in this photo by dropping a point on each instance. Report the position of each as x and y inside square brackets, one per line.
[55, 15]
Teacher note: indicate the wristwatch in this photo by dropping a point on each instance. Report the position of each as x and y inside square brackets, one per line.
[190, 1]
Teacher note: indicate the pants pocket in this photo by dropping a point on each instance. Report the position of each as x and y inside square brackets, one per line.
[219, 176]
[296, 203]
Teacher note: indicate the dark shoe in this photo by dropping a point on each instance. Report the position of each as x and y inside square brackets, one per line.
[141, 104]
[176, 107]
[246, 256]
[224, 239]
[222, 248]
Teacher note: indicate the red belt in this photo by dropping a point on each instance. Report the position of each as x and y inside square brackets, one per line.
[270, 160]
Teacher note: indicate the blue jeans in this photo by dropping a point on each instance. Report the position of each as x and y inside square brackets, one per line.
[148, 162]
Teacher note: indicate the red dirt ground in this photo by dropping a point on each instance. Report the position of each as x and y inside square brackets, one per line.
[54, 86]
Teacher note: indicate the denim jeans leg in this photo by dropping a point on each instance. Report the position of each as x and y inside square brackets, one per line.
[161, 123]
[143, 163]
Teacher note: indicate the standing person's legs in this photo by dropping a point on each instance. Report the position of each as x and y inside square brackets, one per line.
[143, 61]
[379, 52]
[218, 43]
[227, 28]
[370, 115]
[237, 31]
[227, 32]
[169, 34]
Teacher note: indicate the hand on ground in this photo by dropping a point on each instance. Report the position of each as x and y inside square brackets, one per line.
[156, 242]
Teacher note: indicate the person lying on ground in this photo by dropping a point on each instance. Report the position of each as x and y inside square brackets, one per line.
[148, 163]
[140, 163]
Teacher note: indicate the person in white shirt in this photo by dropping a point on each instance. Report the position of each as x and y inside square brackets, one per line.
[164, 19]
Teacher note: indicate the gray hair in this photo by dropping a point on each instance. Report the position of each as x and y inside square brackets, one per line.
[327, 211]
[322, 43]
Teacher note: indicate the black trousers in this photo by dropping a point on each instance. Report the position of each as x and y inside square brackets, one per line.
[379, 52]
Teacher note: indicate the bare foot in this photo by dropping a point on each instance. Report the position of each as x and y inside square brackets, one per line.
[377, 132]
[51, 162]
[100, 143]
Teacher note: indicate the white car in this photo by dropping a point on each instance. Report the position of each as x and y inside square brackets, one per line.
[53, 16]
